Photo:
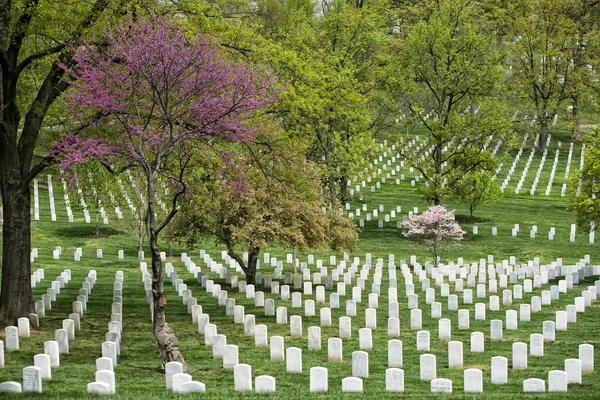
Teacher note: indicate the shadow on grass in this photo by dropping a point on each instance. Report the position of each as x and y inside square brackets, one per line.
[79, 231]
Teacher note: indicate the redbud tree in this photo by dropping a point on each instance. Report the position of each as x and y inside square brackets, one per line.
[436, 228]
[158, 100]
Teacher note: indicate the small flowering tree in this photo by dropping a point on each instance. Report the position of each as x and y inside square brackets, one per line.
[436, 228]
[157, 101]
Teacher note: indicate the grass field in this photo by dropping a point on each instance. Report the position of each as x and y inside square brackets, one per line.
[139, 375]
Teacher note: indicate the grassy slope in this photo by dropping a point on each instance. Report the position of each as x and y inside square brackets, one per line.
[138, 373]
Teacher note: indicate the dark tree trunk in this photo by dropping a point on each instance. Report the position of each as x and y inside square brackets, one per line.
[166, 339]
[15, 299]
[471, 220]
[248, 268]
[543, 133]
[343, 189]
[576, 128]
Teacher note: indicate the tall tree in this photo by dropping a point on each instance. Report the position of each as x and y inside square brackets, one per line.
[35, 37]
[448, 79]
[279, 201]
[543, 41]
[585, 186]
[335, 68]
[156, 100]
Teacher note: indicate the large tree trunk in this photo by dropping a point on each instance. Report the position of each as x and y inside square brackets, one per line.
[164, 335]
[576, 127]
[343, 189]
[543, 133]
[15, 299]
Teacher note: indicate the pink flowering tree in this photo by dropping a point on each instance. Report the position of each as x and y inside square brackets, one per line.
[157, 100]
[436, 228]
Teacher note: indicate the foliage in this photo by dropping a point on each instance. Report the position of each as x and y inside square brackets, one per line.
[35, 37]
[156, 100]
[448, 75]
[436, 228]
[475, 188]
[279, 201]
[585, 187]
[334, 66]
[543, 37]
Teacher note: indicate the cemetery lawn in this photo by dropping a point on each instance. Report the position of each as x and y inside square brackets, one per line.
[138, 374]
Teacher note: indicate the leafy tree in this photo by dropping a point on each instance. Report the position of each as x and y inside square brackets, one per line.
[476, 187]
[35, 37]
[334, 66]
[448, 78]
[436, 228]
[543, 41]
[156, 100]
[586, 187]
[279, 200]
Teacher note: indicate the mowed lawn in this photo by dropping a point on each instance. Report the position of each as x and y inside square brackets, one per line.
[138, 374]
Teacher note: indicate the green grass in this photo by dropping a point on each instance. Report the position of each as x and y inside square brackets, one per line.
[139, 375]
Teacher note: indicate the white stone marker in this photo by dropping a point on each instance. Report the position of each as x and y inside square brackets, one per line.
[499, 370]
[230, 356]
[277, 352]
[573, 370]
[519, 355]
[352, 384]
[536, 344]
[393, 327]
[261, 339]
[455, 354]
[242, 378]
[24, 327]
[325, 316]
[423, 341]
[345, 327]
[264, 384]
[172, 368]
[473, 380]
[109, 349]
[210, 331]
[416, 316]
[104, 364]
[42, 361]
[10, 387]
[395, 353]
[586, 355]
[441, 385]
[193, 387]
[179, 380]
[51, 348]
[444, 329]
[319, 381]
[477, 342]
[32, 379]
[281, 313]
[511, 320]
[12, 338]
[365, 338]
[61, 336]
[98, 388]
[314, 338]
[496, 329]
[394, 380]
[360, 364]
[557, 381]
[296, 326]
[219, 342]
[107, 377]
[534, 385]
[549, 330]
[334, 349]
[427, 365]
[249, 324]
[293, 357]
